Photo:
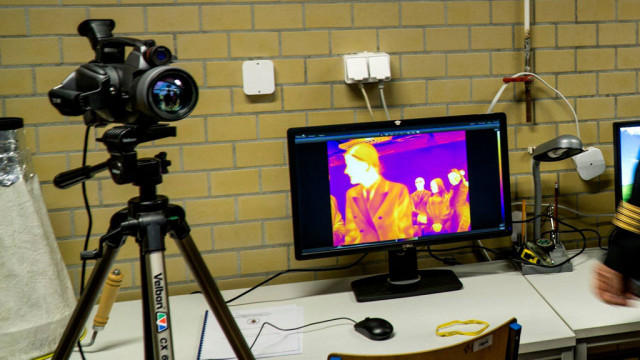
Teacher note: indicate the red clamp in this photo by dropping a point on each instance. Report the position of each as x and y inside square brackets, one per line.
[526, 79]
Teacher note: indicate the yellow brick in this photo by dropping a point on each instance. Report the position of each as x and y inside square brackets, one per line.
[16, 82]
[378, 114]
[215, 101]
[353, 41]
[493, 37]
[289, 71]
[288, 16]
[628, 58]
[276, 125]
[173, 155]
[307, 97]
[596, 10]
[48, 77]
[507, 63]
[61, 223]
[424, 112]
[226, 17]
[571, 183]
[616, 83]
[468, 64]
[541, 36]
[325, 69]
[519, 162]
[554, 10]
[596, 59]
[628, 10]
[61, 138]
[204, 157]
[263, 260]
[376, 14]
[231, 128]
[13, 22]
[577, 35]
[401, 40]
[467, 12]
[48, 166]
[406, 92]
[210, 210]
[628, 106]
[595, 108]
[224, 73]
[486, 89]
[180, 186]
[275, 179]
[588, 131]
[33, 110]
[128, 19]
[256, 103]
[596, 203]
[577, 84]
[32, 50]
[534, 135]
[260, 153]
[442, 39]
[222, 264]
[554, 61]
[173, 19]
[76, 49]
[442, 91]
[327, 15]
[235, 182]
[464, 109]
[507, 12]
[113, 193]
[278, 232]
[189, 130]
[350, 96]
[552, 111]
[605, 131]
[617, 34]
[55, 198]
[254, 44]
[330, 117]
[100, 220]
[194, 69]
[55, 21]
[432, 65]
[89, 2]
[262, 207]
[305, 43]
[422, 13]
[70, 251]
[202, 46]
[237, 235]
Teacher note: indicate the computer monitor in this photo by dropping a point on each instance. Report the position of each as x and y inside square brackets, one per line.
[626, 148]
[395, 185]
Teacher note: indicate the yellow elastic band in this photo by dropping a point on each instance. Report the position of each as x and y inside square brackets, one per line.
[459, 322]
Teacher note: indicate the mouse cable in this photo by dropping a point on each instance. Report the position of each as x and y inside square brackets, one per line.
[344, 267]
[296, 328]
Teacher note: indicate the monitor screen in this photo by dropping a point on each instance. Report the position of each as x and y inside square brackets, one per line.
[626, 147]
[399, 184]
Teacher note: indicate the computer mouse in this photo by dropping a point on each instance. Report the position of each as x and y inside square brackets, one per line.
[374, 328]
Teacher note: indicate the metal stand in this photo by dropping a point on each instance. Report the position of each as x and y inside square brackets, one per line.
[148, 217]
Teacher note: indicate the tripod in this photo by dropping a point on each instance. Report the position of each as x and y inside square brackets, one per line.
[149, 217]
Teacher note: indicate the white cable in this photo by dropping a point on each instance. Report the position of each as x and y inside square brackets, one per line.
[575, 116]
[384, 103]
[366, 99]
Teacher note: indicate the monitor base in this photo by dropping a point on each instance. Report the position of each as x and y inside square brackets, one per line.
[379, 287]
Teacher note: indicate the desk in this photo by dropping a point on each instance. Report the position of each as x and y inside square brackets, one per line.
[593, 322]
[492, 292]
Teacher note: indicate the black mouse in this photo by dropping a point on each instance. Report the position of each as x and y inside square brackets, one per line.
[374, 328]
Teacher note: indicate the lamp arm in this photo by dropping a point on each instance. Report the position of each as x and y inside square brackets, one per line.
[537, 189]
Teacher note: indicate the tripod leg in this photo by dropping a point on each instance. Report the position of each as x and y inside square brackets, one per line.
[85, 303]
[212, 294]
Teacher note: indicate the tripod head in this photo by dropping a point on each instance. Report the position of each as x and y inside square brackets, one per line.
[123, 163]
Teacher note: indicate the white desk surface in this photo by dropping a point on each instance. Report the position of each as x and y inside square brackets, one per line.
[487, 295]
[571, 295]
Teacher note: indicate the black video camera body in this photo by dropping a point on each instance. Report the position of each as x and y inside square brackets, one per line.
[138, 90]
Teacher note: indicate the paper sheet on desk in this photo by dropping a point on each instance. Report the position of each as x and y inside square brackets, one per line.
[272, 342]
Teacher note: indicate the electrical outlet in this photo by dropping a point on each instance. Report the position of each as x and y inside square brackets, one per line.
[366, 67]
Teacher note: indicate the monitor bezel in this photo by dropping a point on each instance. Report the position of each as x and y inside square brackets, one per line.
[617, 161]
[299, 251]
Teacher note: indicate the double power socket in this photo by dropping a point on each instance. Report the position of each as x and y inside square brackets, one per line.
[366, 67]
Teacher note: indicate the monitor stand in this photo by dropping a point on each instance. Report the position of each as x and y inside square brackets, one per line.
[404, 279]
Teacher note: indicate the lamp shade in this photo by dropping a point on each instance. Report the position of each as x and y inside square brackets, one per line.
[560, 148]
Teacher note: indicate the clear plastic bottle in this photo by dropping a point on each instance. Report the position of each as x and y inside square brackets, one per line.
[15, 161]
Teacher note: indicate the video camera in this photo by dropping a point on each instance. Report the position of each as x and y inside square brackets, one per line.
[138, 90]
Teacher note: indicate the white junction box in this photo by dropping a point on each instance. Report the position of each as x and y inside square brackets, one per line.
[366, 67]
[258, 77]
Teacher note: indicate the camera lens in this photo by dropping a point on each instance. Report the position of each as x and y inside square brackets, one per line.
[157, 56]
[166, 93]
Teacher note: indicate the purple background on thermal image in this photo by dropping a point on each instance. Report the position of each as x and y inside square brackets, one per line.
[403, 159]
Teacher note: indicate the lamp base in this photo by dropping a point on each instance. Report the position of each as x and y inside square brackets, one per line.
[558, 255]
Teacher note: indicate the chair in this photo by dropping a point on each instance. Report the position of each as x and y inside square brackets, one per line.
[497, 344]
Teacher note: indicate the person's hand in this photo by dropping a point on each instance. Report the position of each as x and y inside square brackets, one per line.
[609, 285]
[422, 218]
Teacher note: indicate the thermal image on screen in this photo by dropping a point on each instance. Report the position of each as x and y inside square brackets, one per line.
[629, 150]
[398, 187]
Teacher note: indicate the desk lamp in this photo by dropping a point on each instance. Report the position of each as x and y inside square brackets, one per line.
[560, 148]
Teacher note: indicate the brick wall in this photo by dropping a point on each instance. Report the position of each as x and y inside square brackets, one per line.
[229, 160]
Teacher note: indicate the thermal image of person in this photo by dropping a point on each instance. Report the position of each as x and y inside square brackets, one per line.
[420, 199]
[461, 216]
[376, 209]
[438, 207]
[338, 223]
